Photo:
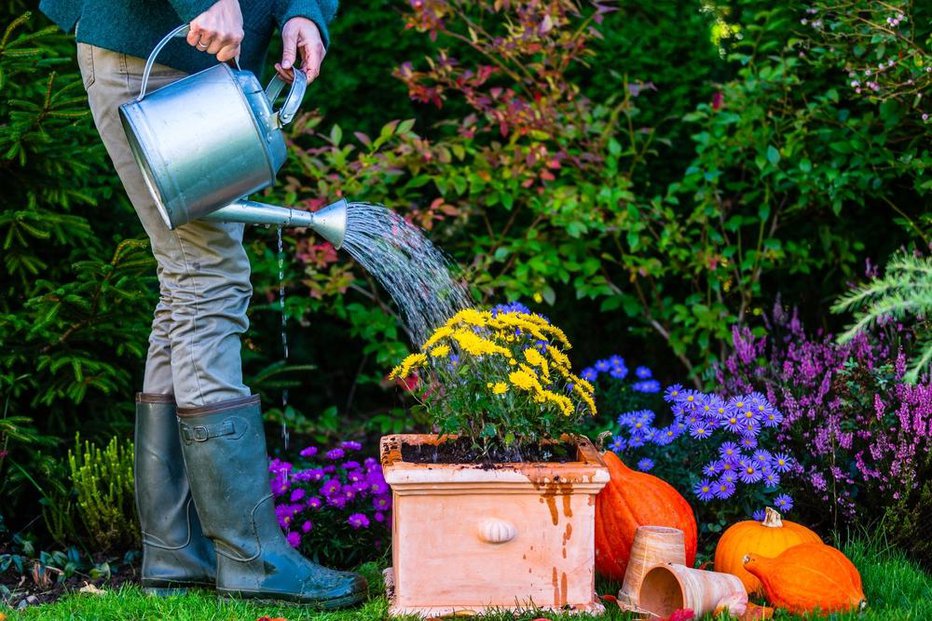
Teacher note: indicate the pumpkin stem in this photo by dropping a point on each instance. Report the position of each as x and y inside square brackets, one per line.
[772, 518]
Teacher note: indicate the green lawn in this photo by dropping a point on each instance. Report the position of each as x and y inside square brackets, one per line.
[895, 588]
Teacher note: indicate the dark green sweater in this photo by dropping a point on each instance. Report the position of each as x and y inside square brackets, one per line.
[135, 26]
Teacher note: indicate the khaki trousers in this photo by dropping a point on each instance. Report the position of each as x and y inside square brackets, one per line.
[203, 270]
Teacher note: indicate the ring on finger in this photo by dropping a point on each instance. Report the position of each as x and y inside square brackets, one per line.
[202, 45]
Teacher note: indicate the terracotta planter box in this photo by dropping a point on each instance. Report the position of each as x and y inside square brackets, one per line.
[465, 538]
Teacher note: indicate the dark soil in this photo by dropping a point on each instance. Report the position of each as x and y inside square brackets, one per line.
[462, 451]
[46, 585]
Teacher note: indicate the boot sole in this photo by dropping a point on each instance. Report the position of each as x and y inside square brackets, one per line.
[271, 598]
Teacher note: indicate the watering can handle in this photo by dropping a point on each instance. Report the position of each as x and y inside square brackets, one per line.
[180, 31]
[292, 100]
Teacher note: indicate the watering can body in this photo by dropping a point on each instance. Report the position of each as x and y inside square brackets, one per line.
[209, 139]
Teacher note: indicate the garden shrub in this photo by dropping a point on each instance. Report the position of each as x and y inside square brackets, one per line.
[549, 188]
[104, 493]
[860, 432]
[75, 301]
[333, 507]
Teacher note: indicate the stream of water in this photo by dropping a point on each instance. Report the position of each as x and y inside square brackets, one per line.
[281, 301]
[417, 275]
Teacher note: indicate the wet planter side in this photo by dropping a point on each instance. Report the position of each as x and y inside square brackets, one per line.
[469, 538]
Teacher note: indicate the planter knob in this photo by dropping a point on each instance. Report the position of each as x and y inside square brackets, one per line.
[496, 530]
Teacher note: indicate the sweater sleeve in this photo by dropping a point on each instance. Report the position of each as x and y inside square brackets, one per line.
[321, 12]
[189, 9]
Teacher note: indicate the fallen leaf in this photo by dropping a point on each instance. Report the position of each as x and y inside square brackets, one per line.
[90, 588]
[609, 599]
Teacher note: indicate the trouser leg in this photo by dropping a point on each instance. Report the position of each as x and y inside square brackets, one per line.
[194, 346]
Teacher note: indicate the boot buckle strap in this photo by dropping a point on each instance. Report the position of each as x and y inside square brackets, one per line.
[203, 433]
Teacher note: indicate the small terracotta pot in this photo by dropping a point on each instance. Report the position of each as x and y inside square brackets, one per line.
[667, 588]
[652, 546]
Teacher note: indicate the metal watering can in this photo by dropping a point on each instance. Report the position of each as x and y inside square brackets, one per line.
[206, 141]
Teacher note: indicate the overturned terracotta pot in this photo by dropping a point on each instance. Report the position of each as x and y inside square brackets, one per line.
[652, 546]
[671, 587]
[468, 538]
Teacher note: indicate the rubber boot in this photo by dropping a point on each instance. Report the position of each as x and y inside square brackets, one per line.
[225, 455]
[175, 552]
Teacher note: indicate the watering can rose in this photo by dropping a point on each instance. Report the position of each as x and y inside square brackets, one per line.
[499, 377]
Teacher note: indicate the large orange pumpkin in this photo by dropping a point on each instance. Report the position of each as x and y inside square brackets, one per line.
[807, 577]
[767, 538]
[632, 499]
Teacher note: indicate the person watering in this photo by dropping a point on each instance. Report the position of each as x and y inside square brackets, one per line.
[202, 487]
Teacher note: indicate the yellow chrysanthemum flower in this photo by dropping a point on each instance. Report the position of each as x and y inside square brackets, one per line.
[440, 351]
[475, 345]
[440, 333]
[522, 379]
[403, 370]
[500, 388]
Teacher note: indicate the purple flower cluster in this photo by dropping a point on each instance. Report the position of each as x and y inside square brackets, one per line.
[737, 425]
[861, 430]
[331, 496]
[615, 368]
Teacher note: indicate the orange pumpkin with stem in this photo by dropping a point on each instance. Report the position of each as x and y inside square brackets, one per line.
[767, 538]
[809, 577]
[632, 499]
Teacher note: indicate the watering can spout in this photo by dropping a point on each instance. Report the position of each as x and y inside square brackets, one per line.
[329, 222]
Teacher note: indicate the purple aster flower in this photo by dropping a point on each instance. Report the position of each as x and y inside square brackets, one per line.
[762, 457]
[294, 539]
[646, 417]
[297, 494]
[510, 307]
[689, 399]
[704, 490]
[378, 485]
[750, 427]
[643, 373]
[336, 501]
[348, 493]
[713, 469]
[782, 462]
[748, 442]
[350, 445]
[771, 477]
[589, 374]
[700, 430]
[636, 441]
[355, 476]
[336, 453]
[672, 393]
[382, 503]
[279, 486]
[314, 502]
[783, 502]
[616, 360]
[731, 421]
[618, 373]
[370, 463]
[773, 417]
[617, 445]
[750, 472]
[645, 464]
[729, 476]
[379, 516]
[646, 386]
[728, 450]
[307, 526]
[351, 465]
[602, 366]
[666, 435]
[309, 451]
[626, 419]
[724, 489]
[759, 515]
[358, 520]
[331, 468]
[330, 488]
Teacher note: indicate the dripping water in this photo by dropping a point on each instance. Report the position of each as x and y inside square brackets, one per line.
[281, 303]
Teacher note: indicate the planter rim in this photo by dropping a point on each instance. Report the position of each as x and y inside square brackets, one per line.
[586, 475]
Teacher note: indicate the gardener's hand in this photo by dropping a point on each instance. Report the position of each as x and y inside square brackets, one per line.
[301, 36]
[218, 30]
